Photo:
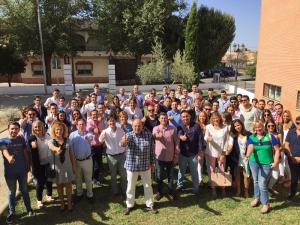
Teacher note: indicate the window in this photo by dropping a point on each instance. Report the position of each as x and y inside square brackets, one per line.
[272, 91]
[84, 68]
[37, 68]
[298, 101]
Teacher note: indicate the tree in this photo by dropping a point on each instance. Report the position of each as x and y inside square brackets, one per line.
[182, 70]
[11, 62]
[215, 32]
[155, 70]
[191, 32]
[59, 22]
[131, 26]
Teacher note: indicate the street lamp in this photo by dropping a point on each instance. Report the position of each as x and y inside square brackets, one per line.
[238, 49]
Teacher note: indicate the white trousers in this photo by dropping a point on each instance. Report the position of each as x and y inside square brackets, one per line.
[131, 185]
[84, 169]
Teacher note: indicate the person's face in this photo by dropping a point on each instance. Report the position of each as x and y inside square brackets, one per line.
[163, 119]
[197, 103]
[135, 89]
[238, 127]
[179, 89]
[201, 117]
[61, 116]
[270, 105]
[130, 95]
[55, 94]
[31, 115]
[245, 101]
[53, 109]
[271, 127]
[93, 98]
[74, 103]
[194, 88]
[297, 122]
[61, 101]
[278, 109]
[183, 104]
[123, 119]
[37, 101]
[13, 131]
[100, 109]
[239, 98]
[116, 101]
[81, 126]
[156, 108]
[210, 93]
[112, 123]
[215, 107]
[122, 91]
[75, 115]
[132, 104]
[223, 95]
[185, 92]
[267, 115]
[185, 118]
[230, 110]
[165, 90]
[168, 102]
[286, 117]
[96, 89]
[152, 96]
[58, 131]
[174, 106]
[261, 105]
[94, 115]
[216, 120]
[137, 126]
[207, 109]
[254, 103]
[259, 129]
[234, 103]
[37, 128]
[150, 110]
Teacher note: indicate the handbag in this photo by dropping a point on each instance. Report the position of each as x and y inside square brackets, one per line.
[221, 179]
[51, 173]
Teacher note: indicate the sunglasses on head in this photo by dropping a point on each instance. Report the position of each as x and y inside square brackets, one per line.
[298, 122]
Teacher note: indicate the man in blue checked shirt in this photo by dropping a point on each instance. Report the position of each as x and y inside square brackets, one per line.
[139, 161]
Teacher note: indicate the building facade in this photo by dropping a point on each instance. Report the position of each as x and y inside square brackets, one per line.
[278, 60]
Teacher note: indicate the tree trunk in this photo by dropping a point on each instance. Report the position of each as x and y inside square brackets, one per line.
[9, 77]
[138, 59]
[48, 67]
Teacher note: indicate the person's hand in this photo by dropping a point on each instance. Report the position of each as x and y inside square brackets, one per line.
[222, 158]
[123, 140]
[209, 138]
[159, 135]
[152, 166]
[175, 161]
[183, 137]
[274, 165]
[170, 117]
[297, 159]
[96, 130]
[11, 159]
[200, 156]
[34, 144]
[88, 137]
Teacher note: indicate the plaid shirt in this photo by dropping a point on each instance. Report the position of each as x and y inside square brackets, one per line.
[140, 151]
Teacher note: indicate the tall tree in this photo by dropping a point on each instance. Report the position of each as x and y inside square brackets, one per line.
[191, 32]
[59, 22]
[215, 32]
[11, 62]
[132, 25]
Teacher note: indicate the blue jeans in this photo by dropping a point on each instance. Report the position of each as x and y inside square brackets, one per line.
[160, 167]
[11, 181]
[261, 174]
[192, 163]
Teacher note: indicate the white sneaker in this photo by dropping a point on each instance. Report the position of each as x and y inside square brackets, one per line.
[39, 204]
[49, 198]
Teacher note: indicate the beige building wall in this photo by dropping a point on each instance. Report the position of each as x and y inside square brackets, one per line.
[278, 60]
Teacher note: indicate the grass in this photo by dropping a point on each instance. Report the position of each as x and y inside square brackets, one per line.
[188, 209]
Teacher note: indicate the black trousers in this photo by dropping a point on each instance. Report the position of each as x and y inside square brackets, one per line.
[41, 182]
[295, 174]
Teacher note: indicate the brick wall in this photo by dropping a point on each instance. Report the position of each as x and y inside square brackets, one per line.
[278, 60]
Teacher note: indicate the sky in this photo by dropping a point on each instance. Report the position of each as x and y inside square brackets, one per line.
[246, 14]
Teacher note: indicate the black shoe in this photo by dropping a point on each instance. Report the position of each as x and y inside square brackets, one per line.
[158, 196]
[291, 199]
[30, 213]
[97, 182]
[127, 211]
[179, 189]
[172, 196]
[90, 199]
[10, 219]
[153, 210]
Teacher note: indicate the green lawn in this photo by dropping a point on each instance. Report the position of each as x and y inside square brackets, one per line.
[188, 209]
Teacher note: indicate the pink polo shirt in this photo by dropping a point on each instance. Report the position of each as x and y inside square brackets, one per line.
[167, 148]
[90, 126]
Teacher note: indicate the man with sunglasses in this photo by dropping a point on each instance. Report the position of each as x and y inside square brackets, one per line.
[207, 107]
[26, 124]
[292, 146]
[150, 120]
[249, 114]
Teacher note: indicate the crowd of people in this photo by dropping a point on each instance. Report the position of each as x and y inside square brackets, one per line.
[139, 134]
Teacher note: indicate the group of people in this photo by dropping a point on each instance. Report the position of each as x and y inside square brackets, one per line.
[140, 134]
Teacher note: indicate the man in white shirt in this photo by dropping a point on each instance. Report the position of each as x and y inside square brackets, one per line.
[53, 99]
[115, 154]
[88, 108]
[195, 92]
[249, 114]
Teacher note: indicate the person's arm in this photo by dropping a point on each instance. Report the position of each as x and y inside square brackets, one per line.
[230, 145]
[177, 148]
[10, 158]
[250, 149]
[73, 161]
[276, 156]
[46, 104]
[102, 137]
[54, 149]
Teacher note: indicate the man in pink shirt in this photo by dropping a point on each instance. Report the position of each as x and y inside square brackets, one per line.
[166, 153]
[95, 127]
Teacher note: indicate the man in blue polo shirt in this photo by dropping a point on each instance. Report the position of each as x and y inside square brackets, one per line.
[81, 145]
[174, 115]
[292, 145]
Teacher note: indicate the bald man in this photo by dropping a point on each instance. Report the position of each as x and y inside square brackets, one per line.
[139, 162]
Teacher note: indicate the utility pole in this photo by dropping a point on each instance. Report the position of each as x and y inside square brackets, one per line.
[42, 45]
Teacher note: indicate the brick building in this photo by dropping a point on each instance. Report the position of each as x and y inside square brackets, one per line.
[278, 62]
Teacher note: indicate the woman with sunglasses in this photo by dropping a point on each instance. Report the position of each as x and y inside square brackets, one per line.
[267, 115]
[271, 128]
[236, 154]
[75, 116]
[261, 162]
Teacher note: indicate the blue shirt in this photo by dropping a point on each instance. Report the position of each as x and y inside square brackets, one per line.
[176, 121]
[100, 97]
[294, 142]
[140, 100]
[223, 104]
[80, 146]
[17, 147]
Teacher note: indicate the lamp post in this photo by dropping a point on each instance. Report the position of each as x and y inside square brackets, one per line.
[238, 49]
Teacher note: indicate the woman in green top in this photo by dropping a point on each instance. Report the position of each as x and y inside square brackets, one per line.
[261, 162]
